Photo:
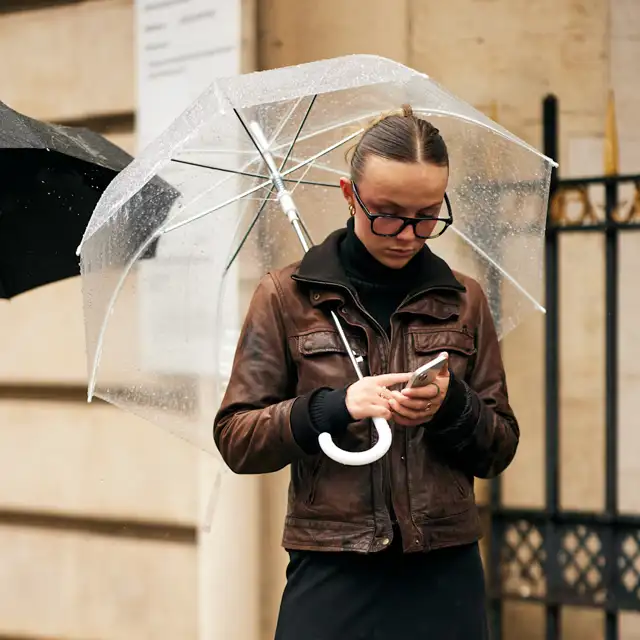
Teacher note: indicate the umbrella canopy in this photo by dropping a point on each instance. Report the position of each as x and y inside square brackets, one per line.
[52, 179]
[45, 205]
[160, 336]
[18, 131]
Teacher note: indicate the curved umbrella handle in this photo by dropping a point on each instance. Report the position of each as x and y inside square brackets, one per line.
[359, 458]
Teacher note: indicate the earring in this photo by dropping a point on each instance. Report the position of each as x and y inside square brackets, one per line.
[352, 210]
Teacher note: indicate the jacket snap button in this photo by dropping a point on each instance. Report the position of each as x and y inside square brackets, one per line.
[385, 541]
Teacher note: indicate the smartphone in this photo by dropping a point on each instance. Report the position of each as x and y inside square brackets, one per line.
[427, 373]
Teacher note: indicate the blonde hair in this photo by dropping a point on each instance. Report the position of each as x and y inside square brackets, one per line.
[398, 135]
[405, 111]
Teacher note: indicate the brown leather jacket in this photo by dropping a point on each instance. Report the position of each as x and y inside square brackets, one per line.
[289, 347]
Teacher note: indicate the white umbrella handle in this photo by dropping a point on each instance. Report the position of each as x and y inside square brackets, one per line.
[359, 458]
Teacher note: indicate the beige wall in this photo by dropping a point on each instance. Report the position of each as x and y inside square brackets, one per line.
[96, 464]
[84, 489]
[100, 511]
[80, 62]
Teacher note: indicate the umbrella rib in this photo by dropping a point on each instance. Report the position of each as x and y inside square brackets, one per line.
[502, 270]
[298, 132]
[246, 174]
[284, 161]
[237, 172]
[262, 206]
[321, 167]
[248, 192]
[290, 151]
[264, 203]
[207, 212]
[248, 132]
[246, 165]
[318, 155]
[257, 146]
[246, 235]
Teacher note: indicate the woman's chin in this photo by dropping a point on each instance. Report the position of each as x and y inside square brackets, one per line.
[395, 259]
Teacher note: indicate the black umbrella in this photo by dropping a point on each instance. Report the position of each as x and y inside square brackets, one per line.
[51, 178]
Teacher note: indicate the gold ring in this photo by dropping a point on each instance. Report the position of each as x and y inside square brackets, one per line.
[435, 384]
[429, 405]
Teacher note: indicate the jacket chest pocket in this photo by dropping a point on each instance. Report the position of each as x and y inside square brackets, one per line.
[458, 343]
[322, 360]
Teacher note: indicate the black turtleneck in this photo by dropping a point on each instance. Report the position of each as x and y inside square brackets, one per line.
[380, 290]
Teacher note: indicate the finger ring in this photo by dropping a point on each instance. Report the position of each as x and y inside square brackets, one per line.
[435, 384]
[383, 393]
[429, 405]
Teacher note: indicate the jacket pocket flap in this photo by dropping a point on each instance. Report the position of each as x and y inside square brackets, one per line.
[319, 342]
[452, 340]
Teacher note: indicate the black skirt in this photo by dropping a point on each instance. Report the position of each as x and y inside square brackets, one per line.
[384, 596]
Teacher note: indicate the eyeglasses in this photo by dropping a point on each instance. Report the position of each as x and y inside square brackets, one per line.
[388, 225]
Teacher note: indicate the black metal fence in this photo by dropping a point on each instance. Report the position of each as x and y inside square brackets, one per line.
[553, 556]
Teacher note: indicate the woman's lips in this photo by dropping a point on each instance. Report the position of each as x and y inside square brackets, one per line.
[401, 252]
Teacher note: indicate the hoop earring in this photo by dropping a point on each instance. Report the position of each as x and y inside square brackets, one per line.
[352, 210]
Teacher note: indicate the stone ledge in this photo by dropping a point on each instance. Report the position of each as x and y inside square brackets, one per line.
[94, 462]
[69, 585]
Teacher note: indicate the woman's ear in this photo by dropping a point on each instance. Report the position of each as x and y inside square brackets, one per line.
[347, 191]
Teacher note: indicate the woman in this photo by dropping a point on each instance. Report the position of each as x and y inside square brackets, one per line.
[387, 551]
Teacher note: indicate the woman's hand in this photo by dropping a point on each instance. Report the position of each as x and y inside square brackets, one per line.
[413, 407]
[369, 397]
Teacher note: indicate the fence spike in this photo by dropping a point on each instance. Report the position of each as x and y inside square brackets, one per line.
[611, 153]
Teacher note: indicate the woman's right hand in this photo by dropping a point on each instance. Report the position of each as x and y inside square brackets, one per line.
[369, 397]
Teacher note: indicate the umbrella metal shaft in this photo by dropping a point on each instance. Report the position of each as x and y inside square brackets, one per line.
[288, 206]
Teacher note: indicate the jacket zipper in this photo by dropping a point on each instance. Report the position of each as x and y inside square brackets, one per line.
[388, 341]
[386, 467]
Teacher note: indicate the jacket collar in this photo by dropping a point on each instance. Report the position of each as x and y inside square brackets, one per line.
[322, 268]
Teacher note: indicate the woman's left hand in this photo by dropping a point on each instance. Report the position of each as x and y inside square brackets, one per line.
[413, 407]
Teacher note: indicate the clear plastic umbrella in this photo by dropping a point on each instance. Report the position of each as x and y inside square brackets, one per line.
[257, 161]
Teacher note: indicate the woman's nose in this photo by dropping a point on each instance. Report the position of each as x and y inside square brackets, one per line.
[407, 233]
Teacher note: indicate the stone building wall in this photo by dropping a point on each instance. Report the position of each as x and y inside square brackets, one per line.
[99, 511]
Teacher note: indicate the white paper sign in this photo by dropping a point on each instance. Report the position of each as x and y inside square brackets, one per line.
[183, 46]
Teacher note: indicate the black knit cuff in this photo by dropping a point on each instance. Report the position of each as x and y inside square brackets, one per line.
[322, 410]
[328, 411]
